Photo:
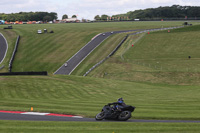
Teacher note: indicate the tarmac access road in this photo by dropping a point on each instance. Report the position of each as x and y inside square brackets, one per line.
[3, 48]
[23, 117]
[68, 67]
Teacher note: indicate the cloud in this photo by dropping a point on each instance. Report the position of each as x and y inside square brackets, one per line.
[10, 6]
[87, 8]
[90, 8]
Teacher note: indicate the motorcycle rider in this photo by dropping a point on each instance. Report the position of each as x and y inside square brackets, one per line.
[118, 105]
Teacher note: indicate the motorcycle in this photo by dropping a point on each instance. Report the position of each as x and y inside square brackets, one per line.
[122, 114]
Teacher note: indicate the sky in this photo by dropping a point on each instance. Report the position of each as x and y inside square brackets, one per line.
[87, 9]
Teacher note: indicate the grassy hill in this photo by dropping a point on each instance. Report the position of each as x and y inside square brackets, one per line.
[47, 52]
[86, 96]
[155, 75]
[158, 57]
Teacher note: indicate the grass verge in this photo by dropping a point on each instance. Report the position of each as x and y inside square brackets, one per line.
[96, 127]
[87, 96]
[11, 38]
[159, 57]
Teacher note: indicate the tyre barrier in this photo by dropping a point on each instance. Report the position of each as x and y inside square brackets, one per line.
[113, 52]
[24, 73]
[13, 55]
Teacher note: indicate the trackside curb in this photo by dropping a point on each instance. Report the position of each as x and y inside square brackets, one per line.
[38, 113]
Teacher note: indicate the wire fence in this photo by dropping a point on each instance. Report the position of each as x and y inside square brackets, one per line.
[166, 68]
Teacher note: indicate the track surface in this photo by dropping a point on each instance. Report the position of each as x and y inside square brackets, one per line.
[22, 117]
[3, 48]
[75, 60]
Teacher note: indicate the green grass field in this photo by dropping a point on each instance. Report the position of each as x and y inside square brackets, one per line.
[11, 38]
[96, 127]
[38, 52]
[159, 57]
[86, 96]
[155, 75]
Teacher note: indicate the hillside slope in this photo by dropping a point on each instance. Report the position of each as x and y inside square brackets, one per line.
[86, 96]
[158, 57]
[47, 52]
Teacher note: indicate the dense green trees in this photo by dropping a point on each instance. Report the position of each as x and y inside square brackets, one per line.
[97, 17]
[29, 16]
[65, 16]
[173, 12]
[103, 17]
[74, 16]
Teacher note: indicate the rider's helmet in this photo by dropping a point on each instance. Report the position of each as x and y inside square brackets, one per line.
[120, 100]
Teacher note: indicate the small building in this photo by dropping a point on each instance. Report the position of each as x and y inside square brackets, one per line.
[136, 19]
[57, 21]
[70, 20]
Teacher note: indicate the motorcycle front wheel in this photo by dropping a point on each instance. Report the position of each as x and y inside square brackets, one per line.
[124, 115]
[100, 116]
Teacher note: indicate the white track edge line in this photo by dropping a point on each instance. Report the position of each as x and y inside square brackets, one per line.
[6, 48]
[34, 113]
[87, 56]
[78, 51]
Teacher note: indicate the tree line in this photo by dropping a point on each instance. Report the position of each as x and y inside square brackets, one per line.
[29, 16]
[103, 17]
[65, 16]
[167, 12]
[174, 11]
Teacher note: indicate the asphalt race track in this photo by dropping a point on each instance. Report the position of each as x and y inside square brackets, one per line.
[23, 117]
[74, 61]
[68, 67]
[3, 48]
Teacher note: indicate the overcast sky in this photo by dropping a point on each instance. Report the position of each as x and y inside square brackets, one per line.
[87, 8]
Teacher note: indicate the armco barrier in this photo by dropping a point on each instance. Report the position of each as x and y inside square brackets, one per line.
[13, 55]
[112, 53]
[96, 65]
[24, 73]
[2, 67]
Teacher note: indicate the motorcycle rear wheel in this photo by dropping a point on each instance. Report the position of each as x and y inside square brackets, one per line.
[124, 115]
[100, 116]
